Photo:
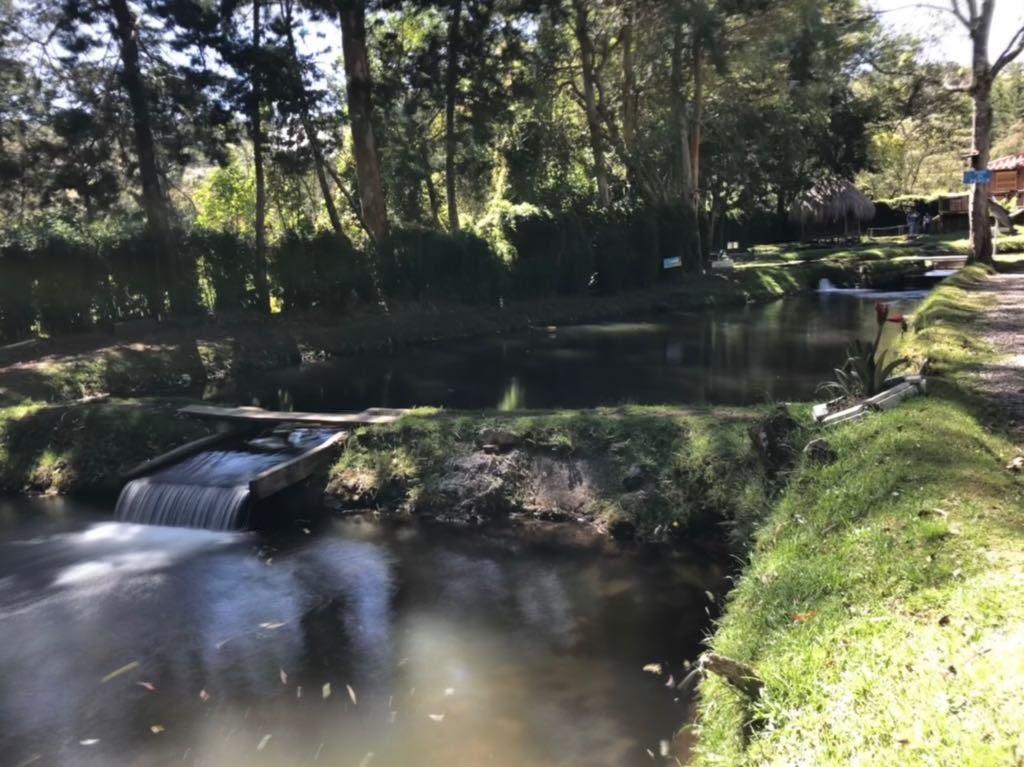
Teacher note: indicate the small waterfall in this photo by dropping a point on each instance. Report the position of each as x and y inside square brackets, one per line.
[149, 502]
[825, 285]
[208, 490]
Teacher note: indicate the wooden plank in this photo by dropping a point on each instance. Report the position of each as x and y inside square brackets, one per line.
[850, 414]
[374, 415]
[892, 397]
[182, 451]
[297, 469]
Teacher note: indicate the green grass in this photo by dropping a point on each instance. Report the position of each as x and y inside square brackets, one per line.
[700, 468]
[884, 601]
[944, 330]
[84, 448]
[881, 248]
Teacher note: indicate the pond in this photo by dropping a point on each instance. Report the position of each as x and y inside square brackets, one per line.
[733, 356]
[135, 645]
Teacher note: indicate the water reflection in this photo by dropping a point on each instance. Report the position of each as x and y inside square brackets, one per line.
[737, 355]
[482, 649]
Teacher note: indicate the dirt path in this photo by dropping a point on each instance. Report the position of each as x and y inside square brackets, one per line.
[1003, 327]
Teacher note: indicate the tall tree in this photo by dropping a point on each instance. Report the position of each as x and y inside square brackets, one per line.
[256, 132]
[359, 87]
[451, 93]
[589, 75]
[309, 127]
[154, 202]
[976, 18]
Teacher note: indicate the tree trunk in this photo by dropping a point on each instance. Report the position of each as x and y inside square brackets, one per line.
[590, 101]
[450, 96]
[428, 178]
[981, 93]
[683, 171]
[698, 115]
[629, 105]
[260, 271]
[154, 203]
[352, 17]
[312, 137]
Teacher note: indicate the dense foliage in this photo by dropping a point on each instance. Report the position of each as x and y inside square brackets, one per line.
[175, 155]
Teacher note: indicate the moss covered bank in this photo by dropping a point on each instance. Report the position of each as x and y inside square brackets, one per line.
[883, 604]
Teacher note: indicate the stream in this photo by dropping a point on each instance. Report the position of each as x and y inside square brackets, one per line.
[134, 645]
[349, 641]
[778, 351]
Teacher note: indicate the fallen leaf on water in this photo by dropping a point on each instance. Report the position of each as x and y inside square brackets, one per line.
[653, 668]
[147, 685]
[89, 742]
[437, 717]
[204, 696]
[272, 626]
[156, 729]
[284, 676]
[123, 670]
[671, 681]
[326, 690]
[264, 742]
[305, 530]
[352, 694]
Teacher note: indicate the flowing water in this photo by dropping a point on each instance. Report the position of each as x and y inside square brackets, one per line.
[210, 489]
[131, 645]
[734, 355]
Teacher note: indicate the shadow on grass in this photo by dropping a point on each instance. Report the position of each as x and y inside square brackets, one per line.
[86, 448]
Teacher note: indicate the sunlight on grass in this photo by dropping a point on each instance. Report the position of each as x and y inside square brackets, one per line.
[884, 604]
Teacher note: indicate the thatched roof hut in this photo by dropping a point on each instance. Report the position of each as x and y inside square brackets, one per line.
[832, 202]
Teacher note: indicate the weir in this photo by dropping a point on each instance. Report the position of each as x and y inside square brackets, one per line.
[197, 485]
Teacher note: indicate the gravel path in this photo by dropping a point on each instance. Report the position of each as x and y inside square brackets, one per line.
[1003, 327]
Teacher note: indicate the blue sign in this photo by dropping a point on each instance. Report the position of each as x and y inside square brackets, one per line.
[978, 177]
[671, 263]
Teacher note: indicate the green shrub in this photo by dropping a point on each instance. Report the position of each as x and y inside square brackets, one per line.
[418, 263]
[319, 272]
[16, 278]
[70, 284]
[227, 262]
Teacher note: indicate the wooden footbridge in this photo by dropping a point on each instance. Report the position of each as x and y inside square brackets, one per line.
[234, 423]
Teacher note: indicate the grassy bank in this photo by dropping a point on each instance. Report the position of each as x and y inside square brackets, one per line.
[655, 472]
[84, 448]
[884, 602]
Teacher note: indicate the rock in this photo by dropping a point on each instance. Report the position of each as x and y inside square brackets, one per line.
[1017, 464]
[771, 438]
[634, 478]
[501, 439]
[552, 515]
[819, 452]
[621, 529]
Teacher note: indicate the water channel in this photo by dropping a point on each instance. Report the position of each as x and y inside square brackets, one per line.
[136, 645]
[354, 642]
[729, 355]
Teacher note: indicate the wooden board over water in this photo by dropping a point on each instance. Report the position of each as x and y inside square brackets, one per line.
[373, 415]
[294, 471]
